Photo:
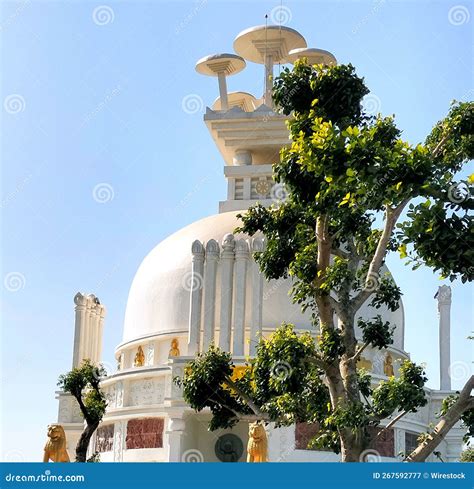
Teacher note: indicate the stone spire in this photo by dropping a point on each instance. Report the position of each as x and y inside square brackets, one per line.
[444, 310]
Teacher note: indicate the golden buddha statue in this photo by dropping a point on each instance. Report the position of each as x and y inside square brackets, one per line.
[388, 366]
[139, 358]
[174, 350]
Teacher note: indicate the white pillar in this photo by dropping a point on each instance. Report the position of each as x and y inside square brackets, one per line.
[268, 80]
[86, 353]
[223, 90]
[227, 265]
[257, 298]
[444, 309]
[240, 272]
[212, 258]
[175, 433]
[79, 333]
[100, 332]
[93, 329]
[195, 286]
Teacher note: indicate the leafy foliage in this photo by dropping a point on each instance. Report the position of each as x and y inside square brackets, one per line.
[349, 177]
[84, 384]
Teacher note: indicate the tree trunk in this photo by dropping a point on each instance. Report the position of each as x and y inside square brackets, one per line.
[453, 415]
[83, 443]
[352, 445]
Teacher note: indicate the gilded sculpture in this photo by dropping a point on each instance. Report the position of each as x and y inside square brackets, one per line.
[257, 447]
[139, 358]
[55, 448]
[388, 366]
[174, 350]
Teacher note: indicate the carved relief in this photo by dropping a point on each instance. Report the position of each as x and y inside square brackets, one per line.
[119, 395]
[150, 354]
[118, 441]
[110, 395]
[104, 440]
[378, 362]
[146, 392]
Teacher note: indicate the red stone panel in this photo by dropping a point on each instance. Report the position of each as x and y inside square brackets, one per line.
[304, 433]
[145, 433]
[385, 443]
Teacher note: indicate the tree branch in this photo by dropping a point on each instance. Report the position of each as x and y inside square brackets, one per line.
[391, 217]
[245, 397]
[360, 350]
[464, 402]
[392, 422]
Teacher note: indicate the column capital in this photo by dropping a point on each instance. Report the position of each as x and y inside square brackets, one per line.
[212, 250]
[241, 249]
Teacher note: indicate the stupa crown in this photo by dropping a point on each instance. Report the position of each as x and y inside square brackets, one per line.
[247, 130]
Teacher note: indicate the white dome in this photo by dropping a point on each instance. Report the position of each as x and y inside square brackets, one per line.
[158, 301]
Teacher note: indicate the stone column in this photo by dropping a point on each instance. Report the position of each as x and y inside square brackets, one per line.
[223, 90]
[212, 257]
[227, 266]
[176, 427]
[79, 329]
[93, 329]
[87, 328]
[268, 80]
[444, 309]
[100, 332]
[240, 271]
[257, 298]
[195, 287]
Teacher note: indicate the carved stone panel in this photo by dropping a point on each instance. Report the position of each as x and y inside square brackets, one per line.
[118, 441]
[104, 439]
[144, 392]
[150, 354]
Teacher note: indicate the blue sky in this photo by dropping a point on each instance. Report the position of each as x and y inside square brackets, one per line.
[102, 103]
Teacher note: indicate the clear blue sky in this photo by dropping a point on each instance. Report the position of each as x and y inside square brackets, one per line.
[103, 104]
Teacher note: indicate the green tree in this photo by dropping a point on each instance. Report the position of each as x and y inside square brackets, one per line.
[467, 455]
[355, 192]
[83, 383]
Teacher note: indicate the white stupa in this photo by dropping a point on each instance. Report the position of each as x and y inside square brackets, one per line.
[201, 285]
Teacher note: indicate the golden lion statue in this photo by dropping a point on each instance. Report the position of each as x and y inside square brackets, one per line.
[257, 445]
[55, 448]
